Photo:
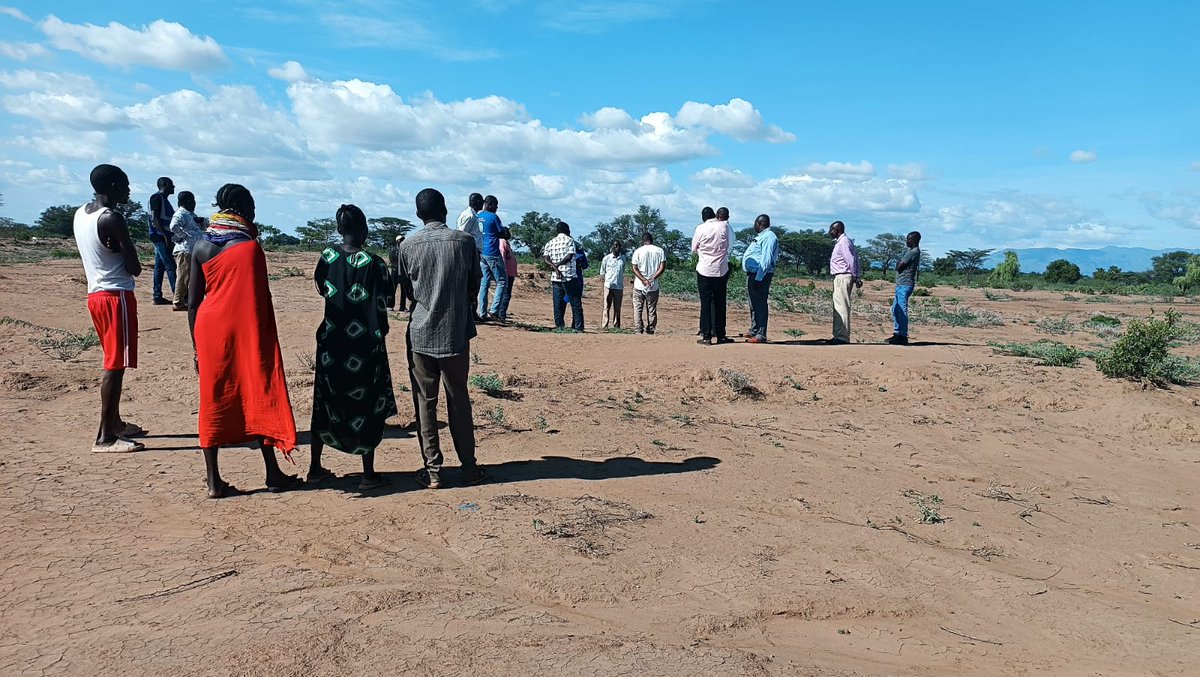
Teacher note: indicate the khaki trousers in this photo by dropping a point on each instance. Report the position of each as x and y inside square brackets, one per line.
[183, 272]
[645, 303]
[612, 307]
[841, 306]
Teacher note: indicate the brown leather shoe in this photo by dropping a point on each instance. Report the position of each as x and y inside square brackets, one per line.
[756, 339]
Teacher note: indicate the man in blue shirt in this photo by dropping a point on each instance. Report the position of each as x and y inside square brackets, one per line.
[161, 212]
[759, 263]
[490, 260]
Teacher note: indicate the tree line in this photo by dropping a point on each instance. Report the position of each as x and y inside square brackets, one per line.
[805, 251]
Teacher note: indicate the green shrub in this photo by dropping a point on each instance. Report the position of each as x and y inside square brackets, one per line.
[488, 383]
[1143, 353]
[921, 291]
[1055, 325]
[1047, 353]
[1104, 321]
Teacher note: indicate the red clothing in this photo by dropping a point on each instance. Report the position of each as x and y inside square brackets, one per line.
[114, 314]
[243, 392]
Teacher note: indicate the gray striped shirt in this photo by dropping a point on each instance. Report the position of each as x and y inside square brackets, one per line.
[442, 267]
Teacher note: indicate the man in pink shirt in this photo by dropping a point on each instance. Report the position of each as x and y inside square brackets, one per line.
[843, 266]
[510, 271]
[711, 245]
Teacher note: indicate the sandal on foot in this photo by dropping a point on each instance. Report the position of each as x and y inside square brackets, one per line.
[223, 490]
[118, 446]
[376, 482]
[290, 482]
[429, 480]
[319, 476]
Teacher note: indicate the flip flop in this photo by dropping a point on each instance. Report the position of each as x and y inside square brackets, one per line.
[223, 490]
[118, 446]
[133, 430]
[290, 482]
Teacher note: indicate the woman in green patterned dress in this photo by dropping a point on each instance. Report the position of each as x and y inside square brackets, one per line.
[352, 394]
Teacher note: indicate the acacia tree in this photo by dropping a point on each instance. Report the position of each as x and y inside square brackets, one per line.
[1191, 276]
[629, 228]
[969, 261]
[1167, 267]
[533, 231]
[318, 232]
[383, 230]
[885, 249]
[807, 249]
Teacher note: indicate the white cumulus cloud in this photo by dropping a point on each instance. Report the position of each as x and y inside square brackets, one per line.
[291, 71]
[14, 13]
[73, 111]
[911, 171]
[1083, 156]
[162, 44]
[28, 80]
[736, 119]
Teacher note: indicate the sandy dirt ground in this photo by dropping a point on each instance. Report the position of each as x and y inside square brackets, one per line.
[644, 519]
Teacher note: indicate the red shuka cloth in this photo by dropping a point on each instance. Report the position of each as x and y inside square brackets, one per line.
[243, 392]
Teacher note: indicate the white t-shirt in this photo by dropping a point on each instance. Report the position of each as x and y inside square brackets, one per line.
[646, 259]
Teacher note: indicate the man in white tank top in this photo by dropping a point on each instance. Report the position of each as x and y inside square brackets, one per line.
[110, 263]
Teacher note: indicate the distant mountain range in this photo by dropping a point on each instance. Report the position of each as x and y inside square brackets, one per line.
[1131, 259]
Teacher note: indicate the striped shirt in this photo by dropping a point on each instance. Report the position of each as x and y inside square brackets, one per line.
[441, 267]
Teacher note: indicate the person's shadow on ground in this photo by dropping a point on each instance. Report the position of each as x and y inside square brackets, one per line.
[544, 468]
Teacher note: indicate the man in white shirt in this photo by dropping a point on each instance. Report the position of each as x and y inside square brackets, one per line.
[649, 262]
[186, 228]
[612, 270]
[468, 222]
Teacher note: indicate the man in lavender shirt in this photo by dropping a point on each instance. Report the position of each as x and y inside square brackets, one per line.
[711, 246]
[843, 266]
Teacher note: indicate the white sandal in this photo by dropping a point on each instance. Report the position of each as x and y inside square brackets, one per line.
[118, 446]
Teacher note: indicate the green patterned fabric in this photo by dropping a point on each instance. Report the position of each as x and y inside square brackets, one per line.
[352, 394]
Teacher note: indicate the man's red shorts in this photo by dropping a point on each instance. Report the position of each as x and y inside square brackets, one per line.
[114, 313]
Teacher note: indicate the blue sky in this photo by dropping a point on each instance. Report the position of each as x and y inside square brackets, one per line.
[981, 124]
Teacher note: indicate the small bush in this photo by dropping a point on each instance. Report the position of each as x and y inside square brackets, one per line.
[1052, 325]
[496, 415]
[1143, 353]
[1104, 321]
[488, 383]
[739, 383]
[796, 333]
[1047, 353]
[921, 291]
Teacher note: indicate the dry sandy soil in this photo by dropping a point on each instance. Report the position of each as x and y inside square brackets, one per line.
[644, 519]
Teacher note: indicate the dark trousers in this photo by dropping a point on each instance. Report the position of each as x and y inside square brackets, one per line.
[759, 309]
[571, 292]
[428, 373]
[713, 295]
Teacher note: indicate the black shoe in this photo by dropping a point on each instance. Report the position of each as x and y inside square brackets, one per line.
[161, 302]
[650, 331]
[475, 475]
[899, 340]
[704, 342]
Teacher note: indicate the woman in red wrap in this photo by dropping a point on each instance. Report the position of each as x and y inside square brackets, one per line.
[243, 392]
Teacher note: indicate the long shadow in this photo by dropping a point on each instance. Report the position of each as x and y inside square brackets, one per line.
[821, 343]
[544, 468]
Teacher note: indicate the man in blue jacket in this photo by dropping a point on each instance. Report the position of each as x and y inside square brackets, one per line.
[759, 263]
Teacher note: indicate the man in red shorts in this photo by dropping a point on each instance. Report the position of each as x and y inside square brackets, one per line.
[110, 263]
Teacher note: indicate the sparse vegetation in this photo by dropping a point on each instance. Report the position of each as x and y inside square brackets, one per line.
[794, 333]
[793, 383]
[1047, 353]
[927, 506]
[740, 383]
[1143, 353]
[961, 316]
[307, 361]
[488, 383]
[61, 344]
[1055, 325]
[496, 416]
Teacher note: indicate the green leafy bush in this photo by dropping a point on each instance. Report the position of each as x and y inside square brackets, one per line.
[1143, 353]
[1047, 353]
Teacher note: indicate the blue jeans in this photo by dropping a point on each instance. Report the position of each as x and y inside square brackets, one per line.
[571, 292]
[900, 310]
[505, 297]
[493, 271]
[164, 262]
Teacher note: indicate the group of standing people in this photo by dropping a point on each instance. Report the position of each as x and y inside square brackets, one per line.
[242, 385]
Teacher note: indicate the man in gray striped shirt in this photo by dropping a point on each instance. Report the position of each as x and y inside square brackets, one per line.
[440, 267]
